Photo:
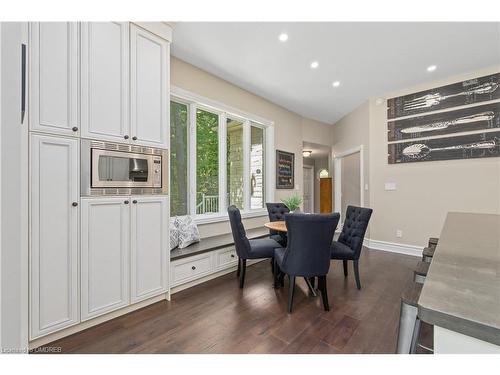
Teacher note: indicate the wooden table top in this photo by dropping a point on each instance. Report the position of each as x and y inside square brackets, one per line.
[278, 226]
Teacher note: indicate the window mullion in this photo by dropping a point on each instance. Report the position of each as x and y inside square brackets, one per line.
[222, 163]
[192, 159]
[246, 165]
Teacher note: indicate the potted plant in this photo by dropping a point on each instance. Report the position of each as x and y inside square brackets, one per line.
[293, 203]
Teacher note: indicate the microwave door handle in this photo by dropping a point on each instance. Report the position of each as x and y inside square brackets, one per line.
[23, 81]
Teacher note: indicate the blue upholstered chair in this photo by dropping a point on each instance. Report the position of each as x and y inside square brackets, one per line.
[307, 253]
[350, 242]
[245, 248]
[276, 212]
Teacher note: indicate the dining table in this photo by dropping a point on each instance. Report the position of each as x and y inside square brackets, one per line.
[278, 226]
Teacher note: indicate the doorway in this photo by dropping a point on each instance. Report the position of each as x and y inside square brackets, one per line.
[308, 184]
[349, 180]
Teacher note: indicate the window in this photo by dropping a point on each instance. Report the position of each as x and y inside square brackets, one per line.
[207, 162]
[256, 167]
[178, 159]
[235, 162]
[218, 159]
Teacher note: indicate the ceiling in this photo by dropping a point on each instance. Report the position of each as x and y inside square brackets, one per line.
[318, 151]
[369, 59]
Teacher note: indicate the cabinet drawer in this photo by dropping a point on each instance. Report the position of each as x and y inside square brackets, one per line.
[186, 270]
[226, 257]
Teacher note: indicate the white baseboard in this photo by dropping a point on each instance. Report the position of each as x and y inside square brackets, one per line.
[393, 247]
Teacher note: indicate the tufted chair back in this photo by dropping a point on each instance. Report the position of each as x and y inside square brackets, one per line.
[309, 239]
[355, 224]
[276, 212]
[241, 242]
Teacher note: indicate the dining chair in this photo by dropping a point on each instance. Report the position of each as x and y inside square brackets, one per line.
[258, 248]
[307, 253]
[350, 242]
[276, 212]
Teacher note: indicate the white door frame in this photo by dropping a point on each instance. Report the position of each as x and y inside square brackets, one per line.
[312, 184]
[337, 162]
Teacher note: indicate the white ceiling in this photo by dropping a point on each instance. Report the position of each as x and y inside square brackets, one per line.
[369, 59]
[318, 151]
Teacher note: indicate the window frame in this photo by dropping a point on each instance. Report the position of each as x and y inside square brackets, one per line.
[195, 102]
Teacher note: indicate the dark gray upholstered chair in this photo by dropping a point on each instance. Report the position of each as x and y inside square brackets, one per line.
[245, 248]
[276, 212]
[307, 254]
[350, 242]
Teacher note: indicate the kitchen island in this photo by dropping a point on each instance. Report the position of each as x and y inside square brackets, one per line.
[461, 294]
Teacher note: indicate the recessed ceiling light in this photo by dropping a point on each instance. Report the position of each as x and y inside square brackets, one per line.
[336, 84]
[431, 68]
[314, 64]
[283, 37]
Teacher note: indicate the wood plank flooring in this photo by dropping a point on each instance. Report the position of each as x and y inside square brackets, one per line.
[218, 317]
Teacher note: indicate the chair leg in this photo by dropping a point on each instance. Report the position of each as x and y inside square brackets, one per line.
[272, 265]
[324, 293]
[345, 267]
[309, 285]
[356, 273]
[312, 280]
[290, 292]
[414, 337]
[242, 272]
[239, 267]
[276, 274]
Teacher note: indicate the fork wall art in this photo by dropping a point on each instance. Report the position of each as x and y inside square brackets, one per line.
[468, 112]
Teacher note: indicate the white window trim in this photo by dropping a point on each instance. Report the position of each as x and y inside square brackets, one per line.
[194, 102]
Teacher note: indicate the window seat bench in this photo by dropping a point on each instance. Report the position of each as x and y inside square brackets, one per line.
[210, 258]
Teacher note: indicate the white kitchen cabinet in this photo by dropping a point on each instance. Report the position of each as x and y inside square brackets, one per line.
[149, 247]
[54, 49]
[149, 88]
[54, 196]
[105, 248]
[105, 80]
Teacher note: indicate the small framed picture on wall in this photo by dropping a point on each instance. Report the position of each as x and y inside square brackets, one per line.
[285, 170]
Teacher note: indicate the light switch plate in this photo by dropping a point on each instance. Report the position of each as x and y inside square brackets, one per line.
[390, 186]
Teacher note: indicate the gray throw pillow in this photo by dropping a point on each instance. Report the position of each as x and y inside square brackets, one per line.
[188, 231]
[174, 234]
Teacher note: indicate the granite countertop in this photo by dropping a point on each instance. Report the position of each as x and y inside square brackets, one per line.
[215, 242]
[462, 289]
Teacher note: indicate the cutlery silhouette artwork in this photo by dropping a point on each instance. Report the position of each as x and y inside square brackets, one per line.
[431, 100]
[421, 150]
[483, 116]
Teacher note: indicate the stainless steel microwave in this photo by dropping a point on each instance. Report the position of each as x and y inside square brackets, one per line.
[109, 168]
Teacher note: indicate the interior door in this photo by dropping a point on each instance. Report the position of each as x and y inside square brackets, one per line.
[350, 181]
[105, 255]
[308, 190]
[149, 246]
[149, 88]
[105, 80]
[54, 77]
[54, 234]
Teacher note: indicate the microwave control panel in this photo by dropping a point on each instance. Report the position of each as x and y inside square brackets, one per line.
[157, 171]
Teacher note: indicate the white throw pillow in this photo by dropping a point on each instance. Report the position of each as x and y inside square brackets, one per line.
[174, 234]
[188, 231]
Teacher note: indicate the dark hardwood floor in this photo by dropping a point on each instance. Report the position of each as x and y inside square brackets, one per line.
[218, 317]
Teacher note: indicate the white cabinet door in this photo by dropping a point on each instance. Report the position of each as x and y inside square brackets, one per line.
[150, 253]
[54, 217]
[105, 80]
[105, 255]
[54, 77]
[149, 88]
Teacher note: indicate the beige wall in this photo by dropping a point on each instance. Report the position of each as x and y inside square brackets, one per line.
[289, 126]
[426, 191]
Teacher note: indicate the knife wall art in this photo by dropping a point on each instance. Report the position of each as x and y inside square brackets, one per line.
[485, 116]
[479, 145]
[456, 121]
[462, 93]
